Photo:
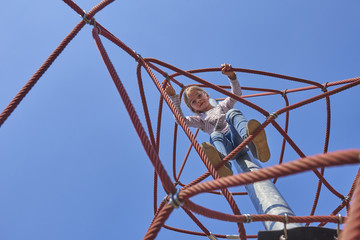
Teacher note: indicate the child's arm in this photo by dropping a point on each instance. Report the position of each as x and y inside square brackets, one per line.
[235, 85]
[226, 70]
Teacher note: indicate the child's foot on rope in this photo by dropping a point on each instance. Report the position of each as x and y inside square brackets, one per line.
[215, 158]
[259, 147]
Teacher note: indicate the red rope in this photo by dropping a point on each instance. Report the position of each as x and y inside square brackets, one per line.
[33, 80]
[257, 217]
[301, 154]
[203, 234]
[151, 144]
[326, 145]
[152, 154]
[352, 227]
[158, 222]
[300, 165]
[200, 225]
[92, 12]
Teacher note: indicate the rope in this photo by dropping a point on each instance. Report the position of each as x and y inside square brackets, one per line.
[257, 217]
[352, 226]
[33, 80]
[300, 165]
[134, 118]
[151, 144]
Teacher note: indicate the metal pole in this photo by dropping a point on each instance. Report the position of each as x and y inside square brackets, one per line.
[264, 195]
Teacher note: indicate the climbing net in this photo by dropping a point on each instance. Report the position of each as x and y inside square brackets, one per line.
[178, 194]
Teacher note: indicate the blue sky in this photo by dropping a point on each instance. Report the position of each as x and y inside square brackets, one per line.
[71, 164]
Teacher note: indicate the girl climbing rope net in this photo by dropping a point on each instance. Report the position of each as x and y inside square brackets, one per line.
[226, 126]
[182, 197]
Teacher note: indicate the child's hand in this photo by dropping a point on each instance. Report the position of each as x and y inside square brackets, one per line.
[170, 90]
[226, 70]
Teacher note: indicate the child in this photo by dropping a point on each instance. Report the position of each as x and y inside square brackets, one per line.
[226, 126]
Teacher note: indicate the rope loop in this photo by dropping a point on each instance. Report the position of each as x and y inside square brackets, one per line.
[174, 199]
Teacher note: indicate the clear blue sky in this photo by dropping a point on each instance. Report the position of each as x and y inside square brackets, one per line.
[71, 164]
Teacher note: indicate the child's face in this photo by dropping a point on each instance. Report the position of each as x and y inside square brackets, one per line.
[199, 101]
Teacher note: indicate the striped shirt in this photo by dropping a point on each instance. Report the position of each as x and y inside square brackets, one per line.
[213, 119]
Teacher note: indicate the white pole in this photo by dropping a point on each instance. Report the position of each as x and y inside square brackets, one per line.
[264, 195]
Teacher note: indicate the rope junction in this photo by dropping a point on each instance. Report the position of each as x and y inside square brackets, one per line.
[181, 198]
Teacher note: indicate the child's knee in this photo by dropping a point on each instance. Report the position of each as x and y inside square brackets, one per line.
[232, 113]
[216, 136]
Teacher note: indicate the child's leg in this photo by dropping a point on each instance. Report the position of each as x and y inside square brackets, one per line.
[221, 143]
[237, 123]
[220, 146]
[240, 128]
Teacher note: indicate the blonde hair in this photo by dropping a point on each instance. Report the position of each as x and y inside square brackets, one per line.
[186, 98]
